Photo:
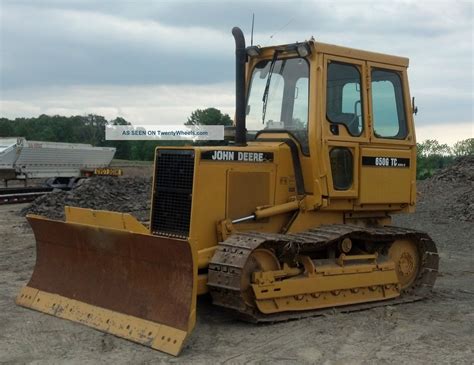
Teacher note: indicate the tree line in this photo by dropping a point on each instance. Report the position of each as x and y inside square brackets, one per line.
[431, 155]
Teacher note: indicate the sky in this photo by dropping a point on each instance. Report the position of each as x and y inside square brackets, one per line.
[154, 62]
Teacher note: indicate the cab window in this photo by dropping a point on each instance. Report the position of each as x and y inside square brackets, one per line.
[387, 105]
[344, 97]
[278, 98]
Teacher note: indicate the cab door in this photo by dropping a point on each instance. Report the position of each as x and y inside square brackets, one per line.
[344, 123]
[388, 171]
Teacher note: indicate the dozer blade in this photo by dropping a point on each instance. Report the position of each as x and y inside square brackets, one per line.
[114, 277]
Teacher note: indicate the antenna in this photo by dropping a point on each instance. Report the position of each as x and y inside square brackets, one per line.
[282, 28]
[251, 34]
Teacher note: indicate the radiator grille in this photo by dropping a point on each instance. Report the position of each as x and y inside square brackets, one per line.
[171, 213]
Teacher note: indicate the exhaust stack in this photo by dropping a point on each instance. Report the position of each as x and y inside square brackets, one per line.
[240, 100]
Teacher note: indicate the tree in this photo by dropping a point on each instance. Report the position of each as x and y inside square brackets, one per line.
[464, 147]
[432, 147]
[209, 116]
[6, 128]
[119, 121]
[431, 156]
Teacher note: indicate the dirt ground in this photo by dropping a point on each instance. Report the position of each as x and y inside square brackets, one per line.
[433, 331]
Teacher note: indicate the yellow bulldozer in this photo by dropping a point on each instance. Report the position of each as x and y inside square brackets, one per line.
[291, 218]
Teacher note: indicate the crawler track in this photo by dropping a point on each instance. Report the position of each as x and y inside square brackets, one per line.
[225, 268]
[22, 195]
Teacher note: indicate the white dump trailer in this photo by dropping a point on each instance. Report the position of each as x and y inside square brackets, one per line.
[22, 159]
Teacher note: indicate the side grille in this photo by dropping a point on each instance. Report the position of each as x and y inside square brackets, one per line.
[171, 211]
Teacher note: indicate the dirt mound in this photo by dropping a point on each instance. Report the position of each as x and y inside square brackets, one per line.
[461, 170]
[449, 194]
[126, 195]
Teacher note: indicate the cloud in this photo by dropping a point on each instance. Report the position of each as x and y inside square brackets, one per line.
[62, 47]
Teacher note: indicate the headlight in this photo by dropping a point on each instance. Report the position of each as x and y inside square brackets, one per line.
[303, 49]
[253, 51]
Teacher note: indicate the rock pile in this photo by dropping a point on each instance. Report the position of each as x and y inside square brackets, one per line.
[451, 191]
[461, 171]
[126, 195]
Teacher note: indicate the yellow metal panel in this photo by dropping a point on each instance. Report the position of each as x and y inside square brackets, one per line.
[245, 192]
[151, 334]
[204, 256]
[202, 284]
[324, 283]
[104, 218]
[312, 219]
[335, 298]
[360, 54]
[385, 184]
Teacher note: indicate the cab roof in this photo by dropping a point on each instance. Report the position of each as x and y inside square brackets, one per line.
[360, 54]
[341, 51]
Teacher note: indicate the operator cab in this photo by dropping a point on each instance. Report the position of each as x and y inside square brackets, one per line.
[347, 109]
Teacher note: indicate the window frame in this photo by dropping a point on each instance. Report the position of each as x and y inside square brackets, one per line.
[403, 106]
[344, 135]
[352, 191]
[333, 172]
[409, 139]
[361, 92]
[251, 68]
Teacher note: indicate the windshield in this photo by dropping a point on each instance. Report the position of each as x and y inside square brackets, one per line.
[278, 98]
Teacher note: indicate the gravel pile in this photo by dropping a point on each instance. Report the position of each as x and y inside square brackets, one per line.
[461, 171]
[449, 194]
[126, 195]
